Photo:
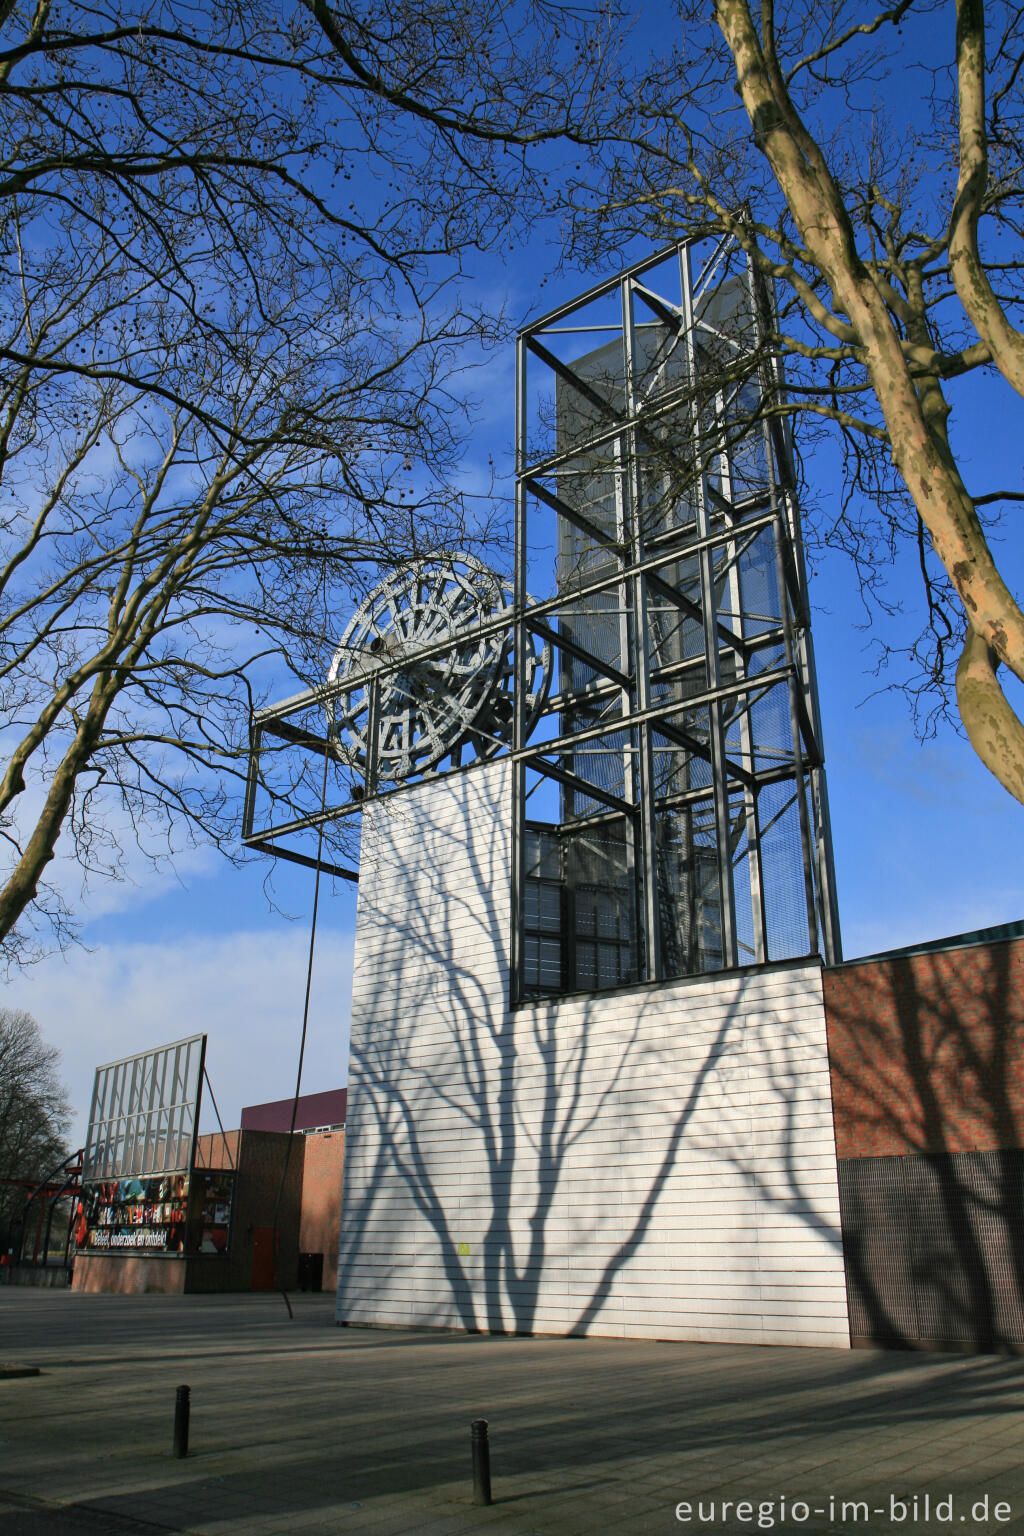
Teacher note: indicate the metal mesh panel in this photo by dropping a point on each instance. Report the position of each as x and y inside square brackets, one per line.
[759, 733]
[666, 475]
[758, 580]
[601, 373]
[600, 886]
[742, 881]
[876, 1248]
[689, 892]
[963, 1220]
[946, 1263]
[677, 770]
[605, 762]
[749, 454]
[934, 1248]
[543, 912]
[599, 626]
[579, 908]
[660, 360]
[785, 896]
[674, 635]
[996, 1180]
[589, 484]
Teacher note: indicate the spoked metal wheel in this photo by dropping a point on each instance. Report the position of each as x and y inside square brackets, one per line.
[434, 707]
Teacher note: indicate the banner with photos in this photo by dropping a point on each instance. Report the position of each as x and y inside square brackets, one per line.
[176, 1214]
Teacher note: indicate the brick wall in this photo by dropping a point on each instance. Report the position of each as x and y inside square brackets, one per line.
[126, 1275]
[322, 1166]
[314, 1178]
[927, 1051]
[218, 1150]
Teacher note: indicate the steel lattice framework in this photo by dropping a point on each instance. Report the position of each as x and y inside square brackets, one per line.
[693, 814]
[145, 1113]
[658, 698]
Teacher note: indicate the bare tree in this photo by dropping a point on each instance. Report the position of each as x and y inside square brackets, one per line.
[34, 1111]
[230, 252]
[869, 163]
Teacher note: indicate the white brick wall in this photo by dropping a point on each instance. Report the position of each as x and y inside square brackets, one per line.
[657, 1162]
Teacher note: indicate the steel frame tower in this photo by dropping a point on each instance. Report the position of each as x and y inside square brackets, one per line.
[658, 698]
[686, 706]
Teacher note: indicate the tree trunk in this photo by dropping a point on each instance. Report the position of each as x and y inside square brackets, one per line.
[994, 730]
[21, 887]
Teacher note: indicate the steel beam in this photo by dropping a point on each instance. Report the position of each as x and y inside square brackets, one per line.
[580, 786]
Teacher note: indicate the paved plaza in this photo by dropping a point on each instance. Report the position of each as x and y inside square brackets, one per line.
[302, 1427]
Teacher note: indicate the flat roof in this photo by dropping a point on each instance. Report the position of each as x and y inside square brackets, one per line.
[312, 1111]
[1000, 934]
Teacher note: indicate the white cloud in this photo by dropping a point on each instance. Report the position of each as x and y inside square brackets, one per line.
[245, 990]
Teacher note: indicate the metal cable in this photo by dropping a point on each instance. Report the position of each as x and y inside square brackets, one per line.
[223, 1134]
[302, 1040]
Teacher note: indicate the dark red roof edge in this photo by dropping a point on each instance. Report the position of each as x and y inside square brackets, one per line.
[313, 1109]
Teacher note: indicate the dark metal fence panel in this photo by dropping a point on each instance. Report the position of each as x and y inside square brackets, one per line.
[934, 1248]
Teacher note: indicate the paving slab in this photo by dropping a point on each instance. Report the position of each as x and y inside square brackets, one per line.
[303, 1428]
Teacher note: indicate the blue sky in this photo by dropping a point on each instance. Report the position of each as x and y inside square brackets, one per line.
[926, 842]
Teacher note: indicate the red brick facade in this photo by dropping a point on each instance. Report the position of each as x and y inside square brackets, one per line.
[308, 1219]
[927, 1051]
[320, 1223]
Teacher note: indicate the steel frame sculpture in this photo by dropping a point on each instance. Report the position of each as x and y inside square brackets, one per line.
[670, 477]
[665, 688]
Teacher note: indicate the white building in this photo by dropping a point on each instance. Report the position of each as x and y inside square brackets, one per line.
[589, 1085]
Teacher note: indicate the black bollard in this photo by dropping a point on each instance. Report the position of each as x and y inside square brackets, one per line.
[181, 1410]
[481, 1462]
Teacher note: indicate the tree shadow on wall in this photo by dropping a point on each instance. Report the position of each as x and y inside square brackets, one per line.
[928, 1062]
[534, 1151]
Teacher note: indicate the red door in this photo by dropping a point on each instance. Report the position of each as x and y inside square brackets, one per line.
[263, 1259]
